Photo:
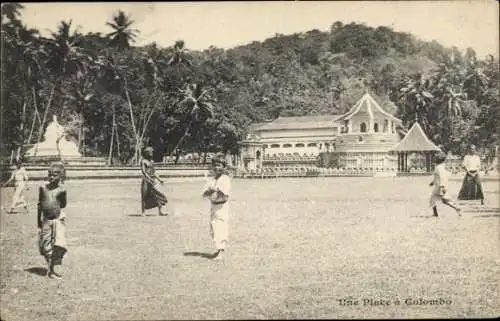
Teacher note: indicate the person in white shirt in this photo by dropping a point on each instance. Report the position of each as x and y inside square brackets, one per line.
[471, 186]
[440, 183]
[20, 177]
[218, 192]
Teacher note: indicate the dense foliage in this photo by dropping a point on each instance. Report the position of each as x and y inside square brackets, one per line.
[115, 97]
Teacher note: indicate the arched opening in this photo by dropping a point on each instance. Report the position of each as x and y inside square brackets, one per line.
[287, 145]
[275, 145]
[375, 127]
[257, 154]
[346, 126]
[362, 127]
[311, 145]
[299, 145]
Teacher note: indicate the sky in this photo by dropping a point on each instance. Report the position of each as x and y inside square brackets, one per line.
[225, 25]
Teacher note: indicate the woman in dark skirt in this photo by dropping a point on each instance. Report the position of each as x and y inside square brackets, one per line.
[152, 194]
[471, 186]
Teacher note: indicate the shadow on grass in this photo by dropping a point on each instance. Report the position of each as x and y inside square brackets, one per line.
[15, 212]
[41, 271]
[200, 254]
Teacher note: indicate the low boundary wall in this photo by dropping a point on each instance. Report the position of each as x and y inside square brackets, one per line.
[88, 172]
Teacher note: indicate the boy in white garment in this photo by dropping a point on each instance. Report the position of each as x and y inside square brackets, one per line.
[218, 191]
[440, 183]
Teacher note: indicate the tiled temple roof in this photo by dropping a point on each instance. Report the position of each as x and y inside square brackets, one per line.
[366, 104]
[415, 140]
[300, 122]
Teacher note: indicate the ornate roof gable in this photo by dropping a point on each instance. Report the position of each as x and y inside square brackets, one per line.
[369, 105]
[415, 141]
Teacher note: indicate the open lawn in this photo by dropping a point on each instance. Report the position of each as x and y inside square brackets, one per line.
[298, 247]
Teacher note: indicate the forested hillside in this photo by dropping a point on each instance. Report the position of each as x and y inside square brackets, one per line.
[115, 97]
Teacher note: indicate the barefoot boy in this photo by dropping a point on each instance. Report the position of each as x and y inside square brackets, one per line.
[51, 220]
[440, 183]
[218, 192]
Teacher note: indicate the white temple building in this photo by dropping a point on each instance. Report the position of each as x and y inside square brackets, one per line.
[362, 138]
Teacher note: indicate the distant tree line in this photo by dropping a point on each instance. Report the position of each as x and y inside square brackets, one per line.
[114, 98]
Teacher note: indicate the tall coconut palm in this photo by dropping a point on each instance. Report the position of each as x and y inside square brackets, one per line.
[11, 10]
[122, 35]
[66, 55]
[416, 99]
[179, 54]
[200, 107]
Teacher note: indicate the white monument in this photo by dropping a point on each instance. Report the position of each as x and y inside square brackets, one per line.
[54, 135]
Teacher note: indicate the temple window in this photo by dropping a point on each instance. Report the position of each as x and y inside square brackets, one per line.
[311, 145]
[360, 139]
[362, 127]
[299, 145]
[346, 126]
[386, 125]
[275, 145]
[287, 145]
[375, 127]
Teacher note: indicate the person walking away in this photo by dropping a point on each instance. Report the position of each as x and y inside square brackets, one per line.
[217, 192]
[471, 185]
[440, 184]
[20, 178]
[152, 194]
[51, 221]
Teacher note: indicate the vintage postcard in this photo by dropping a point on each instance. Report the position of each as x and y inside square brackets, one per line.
[250, 160]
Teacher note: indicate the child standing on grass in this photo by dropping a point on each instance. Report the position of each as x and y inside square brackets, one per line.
[440, 183]
[218, 191]
[20, 177]
[51, 220]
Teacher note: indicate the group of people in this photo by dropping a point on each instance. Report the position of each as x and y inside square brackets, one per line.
[471, 186]
[217, 191]
[52, 200]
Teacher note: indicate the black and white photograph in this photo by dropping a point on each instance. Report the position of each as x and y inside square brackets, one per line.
[210, 160]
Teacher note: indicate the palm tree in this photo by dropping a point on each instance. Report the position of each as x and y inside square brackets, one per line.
[122, 36]
[11, 10]
[416, 99]
[68, 61]
[154, 62]
[200, 107]
[179, 55]
[66, 55]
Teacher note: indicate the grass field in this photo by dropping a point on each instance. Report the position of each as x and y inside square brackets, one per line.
[298, 248]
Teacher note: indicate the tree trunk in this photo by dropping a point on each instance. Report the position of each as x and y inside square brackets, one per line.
[35, 117]
[177, 155]
[83, 143]
[21, 129]
[112, 137]
[40, 130]
[186, 132]
[132, 121]
[118, 144]
[59, 149]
